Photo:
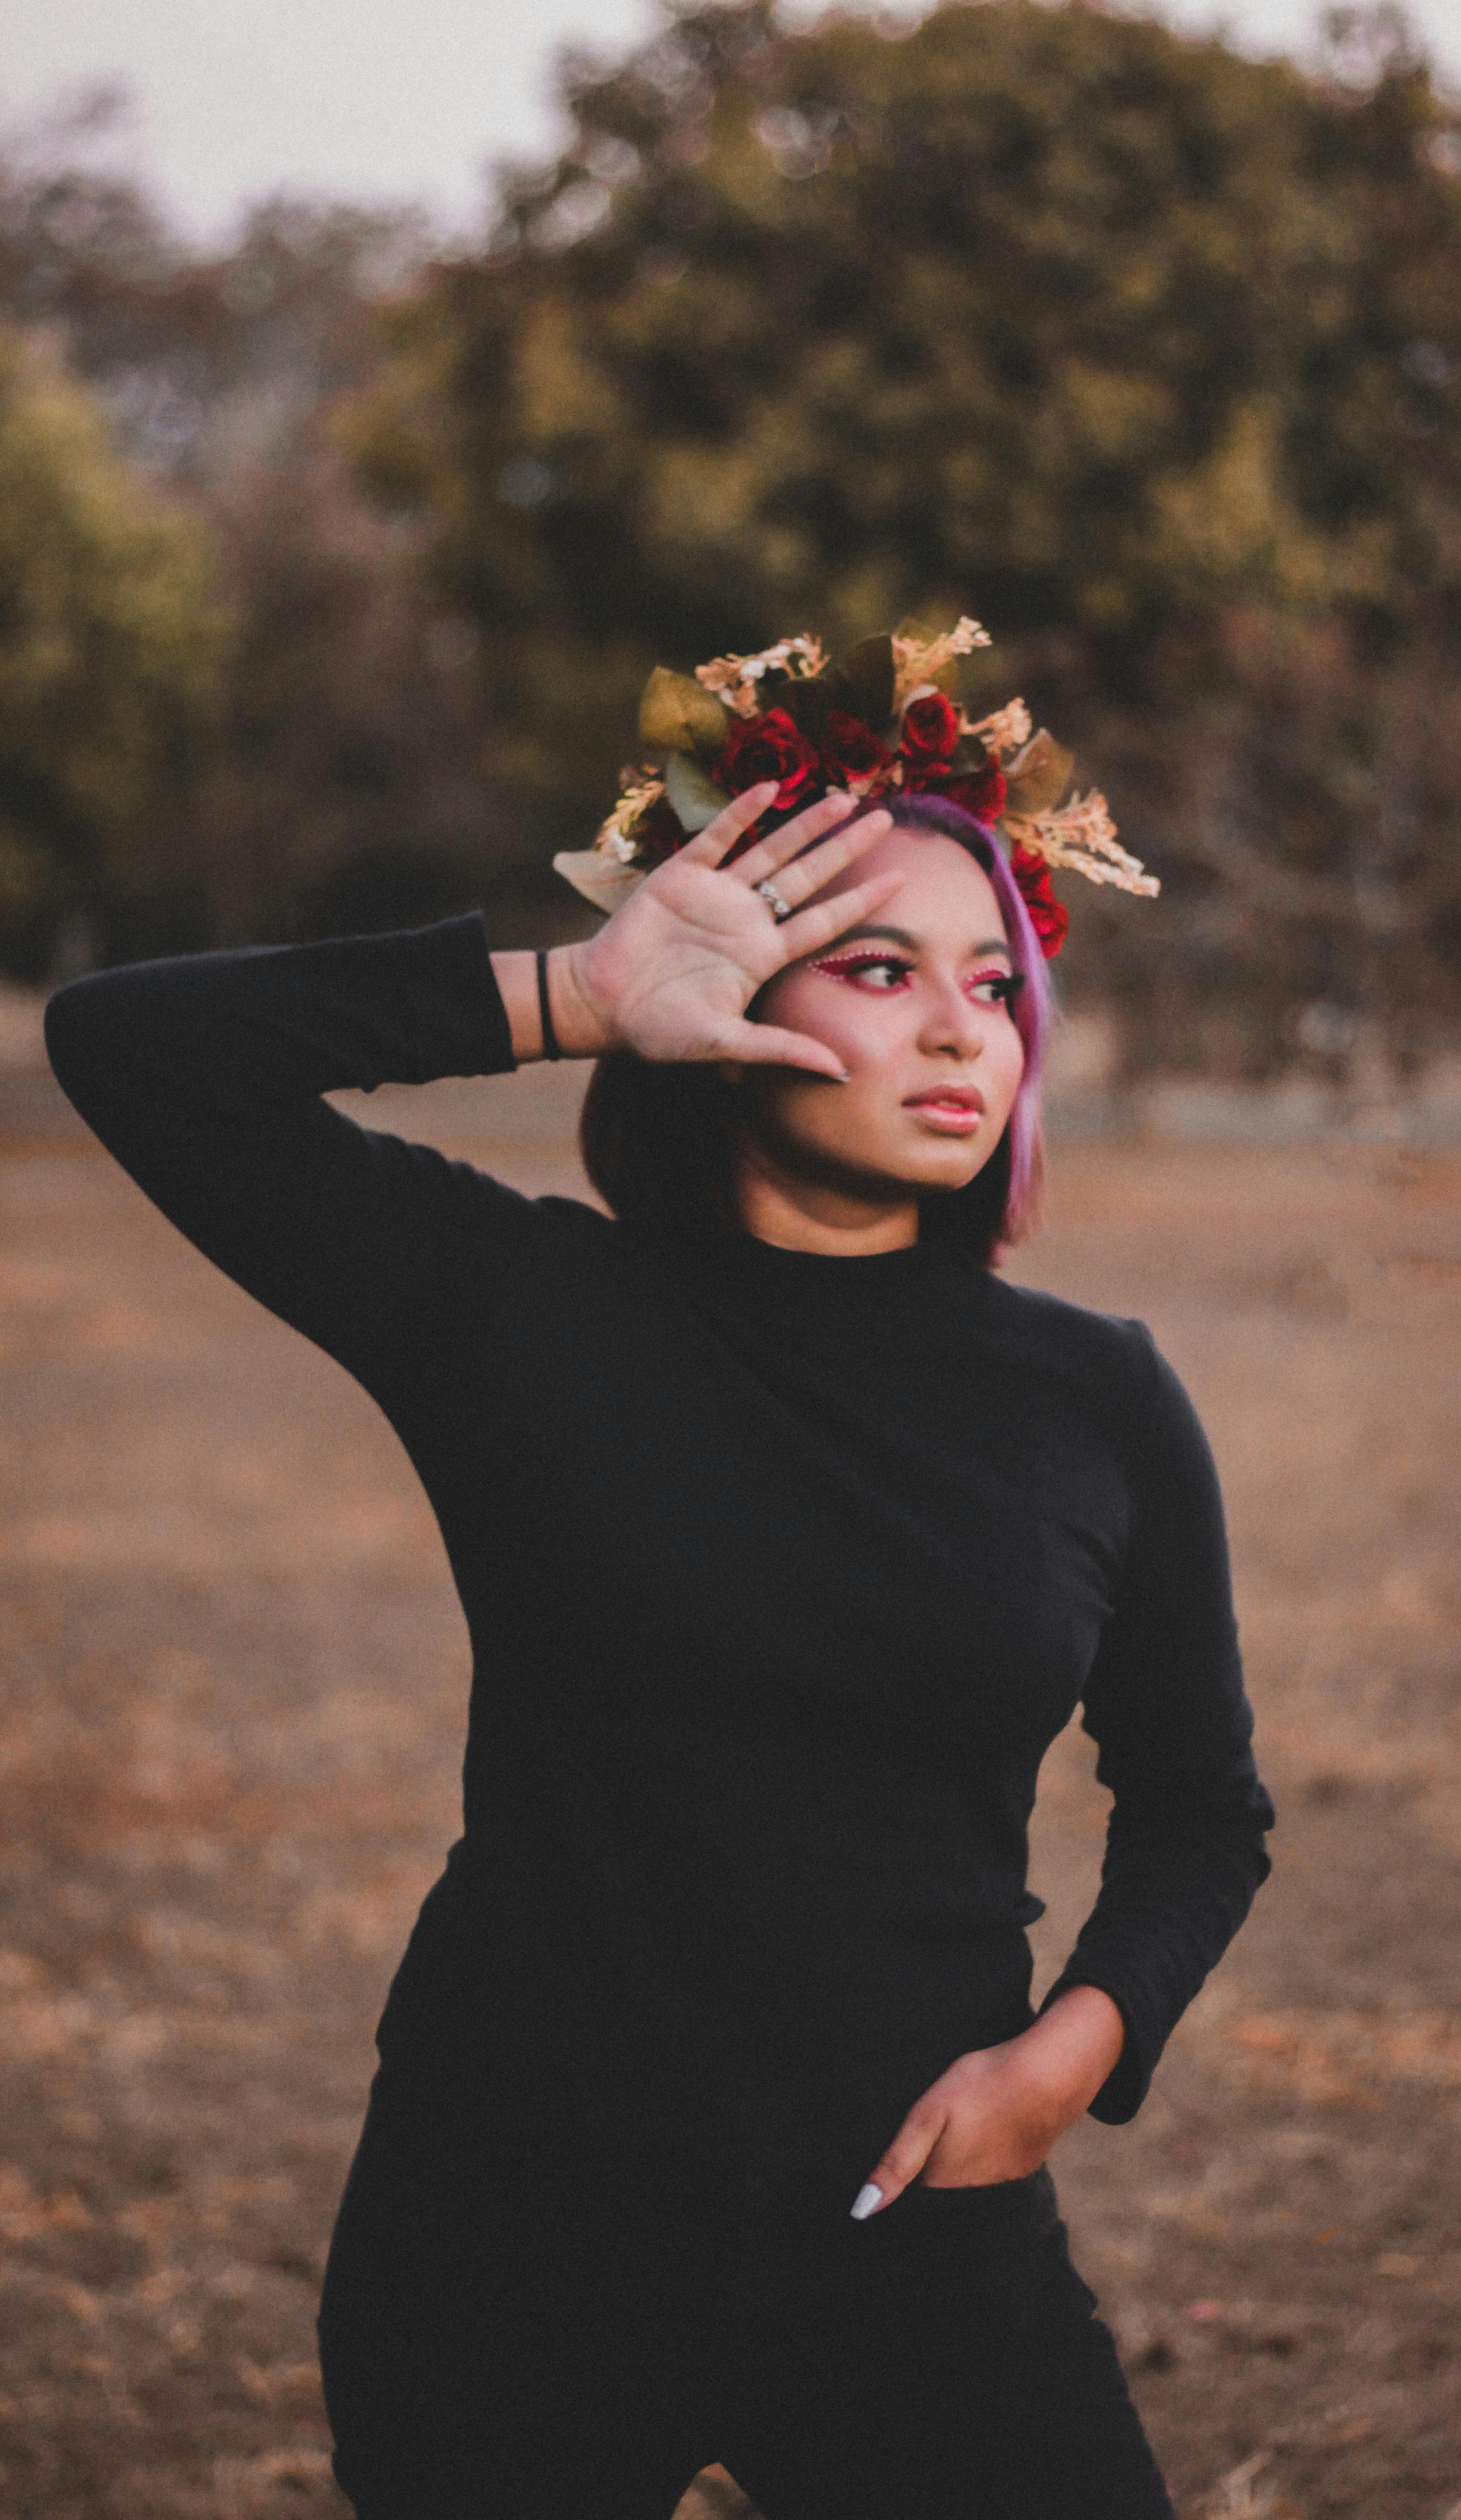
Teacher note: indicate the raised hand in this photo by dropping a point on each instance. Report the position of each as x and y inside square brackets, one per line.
[671, 974]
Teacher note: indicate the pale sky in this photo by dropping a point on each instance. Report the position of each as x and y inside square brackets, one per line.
[393, 99]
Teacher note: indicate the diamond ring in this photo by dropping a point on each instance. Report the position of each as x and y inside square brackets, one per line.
[780, 907]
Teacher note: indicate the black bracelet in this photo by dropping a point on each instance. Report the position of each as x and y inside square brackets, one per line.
[551, 1048]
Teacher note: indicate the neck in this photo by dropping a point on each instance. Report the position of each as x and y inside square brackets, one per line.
[839, 1220]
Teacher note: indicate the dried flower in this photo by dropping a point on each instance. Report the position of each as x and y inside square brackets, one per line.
[1081, 835]
[615, 833]
[920, 661]
[658, 835]
[1005, 730]
[733, 679]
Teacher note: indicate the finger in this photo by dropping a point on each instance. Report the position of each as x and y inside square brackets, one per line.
[709, 846]
[900, 2166]
[756, 1045]
[778, 847]
[815, 868]
[810, 929]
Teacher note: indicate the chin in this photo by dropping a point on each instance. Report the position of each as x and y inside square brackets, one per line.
[928, 1185]
[933, 1164]
[900, 1175]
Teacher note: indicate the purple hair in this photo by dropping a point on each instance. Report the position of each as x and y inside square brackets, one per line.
[1034, 1007]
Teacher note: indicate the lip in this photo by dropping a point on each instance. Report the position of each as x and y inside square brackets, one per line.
[954, 1111]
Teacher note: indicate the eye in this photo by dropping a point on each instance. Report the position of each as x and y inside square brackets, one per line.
[878, 972]
[996, 988]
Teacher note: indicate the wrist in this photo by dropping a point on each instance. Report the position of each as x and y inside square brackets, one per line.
[579, 1032]
[1070, 2051]
[581, 1029]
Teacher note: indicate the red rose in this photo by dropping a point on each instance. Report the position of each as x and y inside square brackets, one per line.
[1048, 916]
[767, 748]
[852, 754]
[981, 792]
[658, 833]
[931, 731]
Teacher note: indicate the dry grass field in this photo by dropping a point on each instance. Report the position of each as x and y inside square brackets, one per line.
[234, 1680]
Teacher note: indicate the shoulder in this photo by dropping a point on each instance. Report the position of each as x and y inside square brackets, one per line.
[551, 1222]
[1114, 1360]
[1117, 1354]
[551, 1238]
[489, 1220]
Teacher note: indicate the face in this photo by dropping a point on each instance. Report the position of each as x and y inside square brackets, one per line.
[919, 1007]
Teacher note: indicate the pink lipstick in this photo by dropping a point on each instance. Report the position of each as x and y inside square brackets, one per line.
[953, 1110]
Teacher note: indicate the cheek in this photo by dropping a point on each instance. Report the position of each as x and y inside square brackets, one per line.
[1007, 1056]
[861, 1027]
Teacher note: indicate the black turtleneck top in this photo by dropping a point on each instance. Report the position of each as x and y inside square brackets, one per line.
[782, 1572]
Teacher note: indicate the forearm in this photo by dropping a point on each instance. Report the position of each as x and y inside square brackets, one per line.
[1169, 1907]
[225, 1034]
[1165, 1704]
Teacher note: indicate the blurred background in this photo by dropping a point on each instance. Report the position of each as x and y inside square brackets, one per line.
[381, 396]
[339, 534]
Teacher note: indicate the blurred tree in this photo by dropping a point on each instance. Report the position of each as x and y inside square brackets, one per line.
[343, 787]
[1147, 352]
[114, 634]
[203, 362]
[347, 791]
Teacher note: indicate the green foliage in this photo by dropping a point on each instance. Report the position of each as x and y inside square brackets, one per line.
[331, 778]
[347, 791]
[112, 639]
[1145, 353]
[1109, 335]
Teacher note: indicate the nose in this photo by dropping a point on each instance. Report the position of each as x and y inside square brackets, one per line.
[952, 1026]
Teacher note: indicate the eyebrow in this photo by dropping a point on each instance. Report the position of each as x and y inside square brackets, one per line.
[913, 944]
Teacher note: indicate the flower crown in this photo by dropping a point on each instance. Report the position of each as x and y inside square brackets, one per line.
[876, 723]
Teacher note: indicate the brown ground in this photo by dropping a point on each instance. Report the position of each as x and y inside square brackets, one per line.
[234, 1692]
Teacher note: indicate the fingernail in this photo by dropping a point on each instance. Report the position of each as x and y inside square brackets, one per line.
[866, 2201]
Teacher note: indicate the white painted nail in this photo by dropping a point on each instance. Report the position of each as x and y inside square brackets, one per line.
[866, 2201]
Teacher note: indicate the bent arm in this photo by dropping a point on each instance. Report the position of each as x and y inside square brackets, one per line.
[1166, 1706]
[203, 1074]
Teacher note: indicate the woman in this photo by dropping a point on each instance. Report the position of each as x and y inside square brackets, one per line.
[711, 2115]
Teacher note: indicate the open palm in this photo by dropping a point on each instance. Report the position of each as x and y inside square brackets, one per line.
[671, 974]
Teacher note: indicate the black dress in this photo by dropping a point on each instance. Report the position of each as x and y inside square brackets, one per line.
[782, 1572]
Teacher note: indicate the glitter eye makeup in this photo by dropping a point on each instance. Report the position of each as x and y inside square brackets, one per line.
[994, 988]
[850, 966]
[1003, 987]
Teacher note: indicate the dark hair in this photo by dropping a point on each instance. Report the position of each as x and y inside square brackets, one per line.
[658, 1140]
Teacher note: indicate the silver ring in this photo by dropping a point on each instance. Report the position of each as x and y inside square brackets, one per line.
[780, 907]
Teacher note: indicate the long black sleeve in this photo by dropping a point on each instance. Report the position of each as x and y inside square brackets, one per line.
[1166, 1707]
[781, 1570]
[204, 1076]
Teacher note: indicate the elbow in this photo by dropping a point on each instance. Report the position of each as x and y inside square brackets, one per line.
[77, 1023]
[65, 1027]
